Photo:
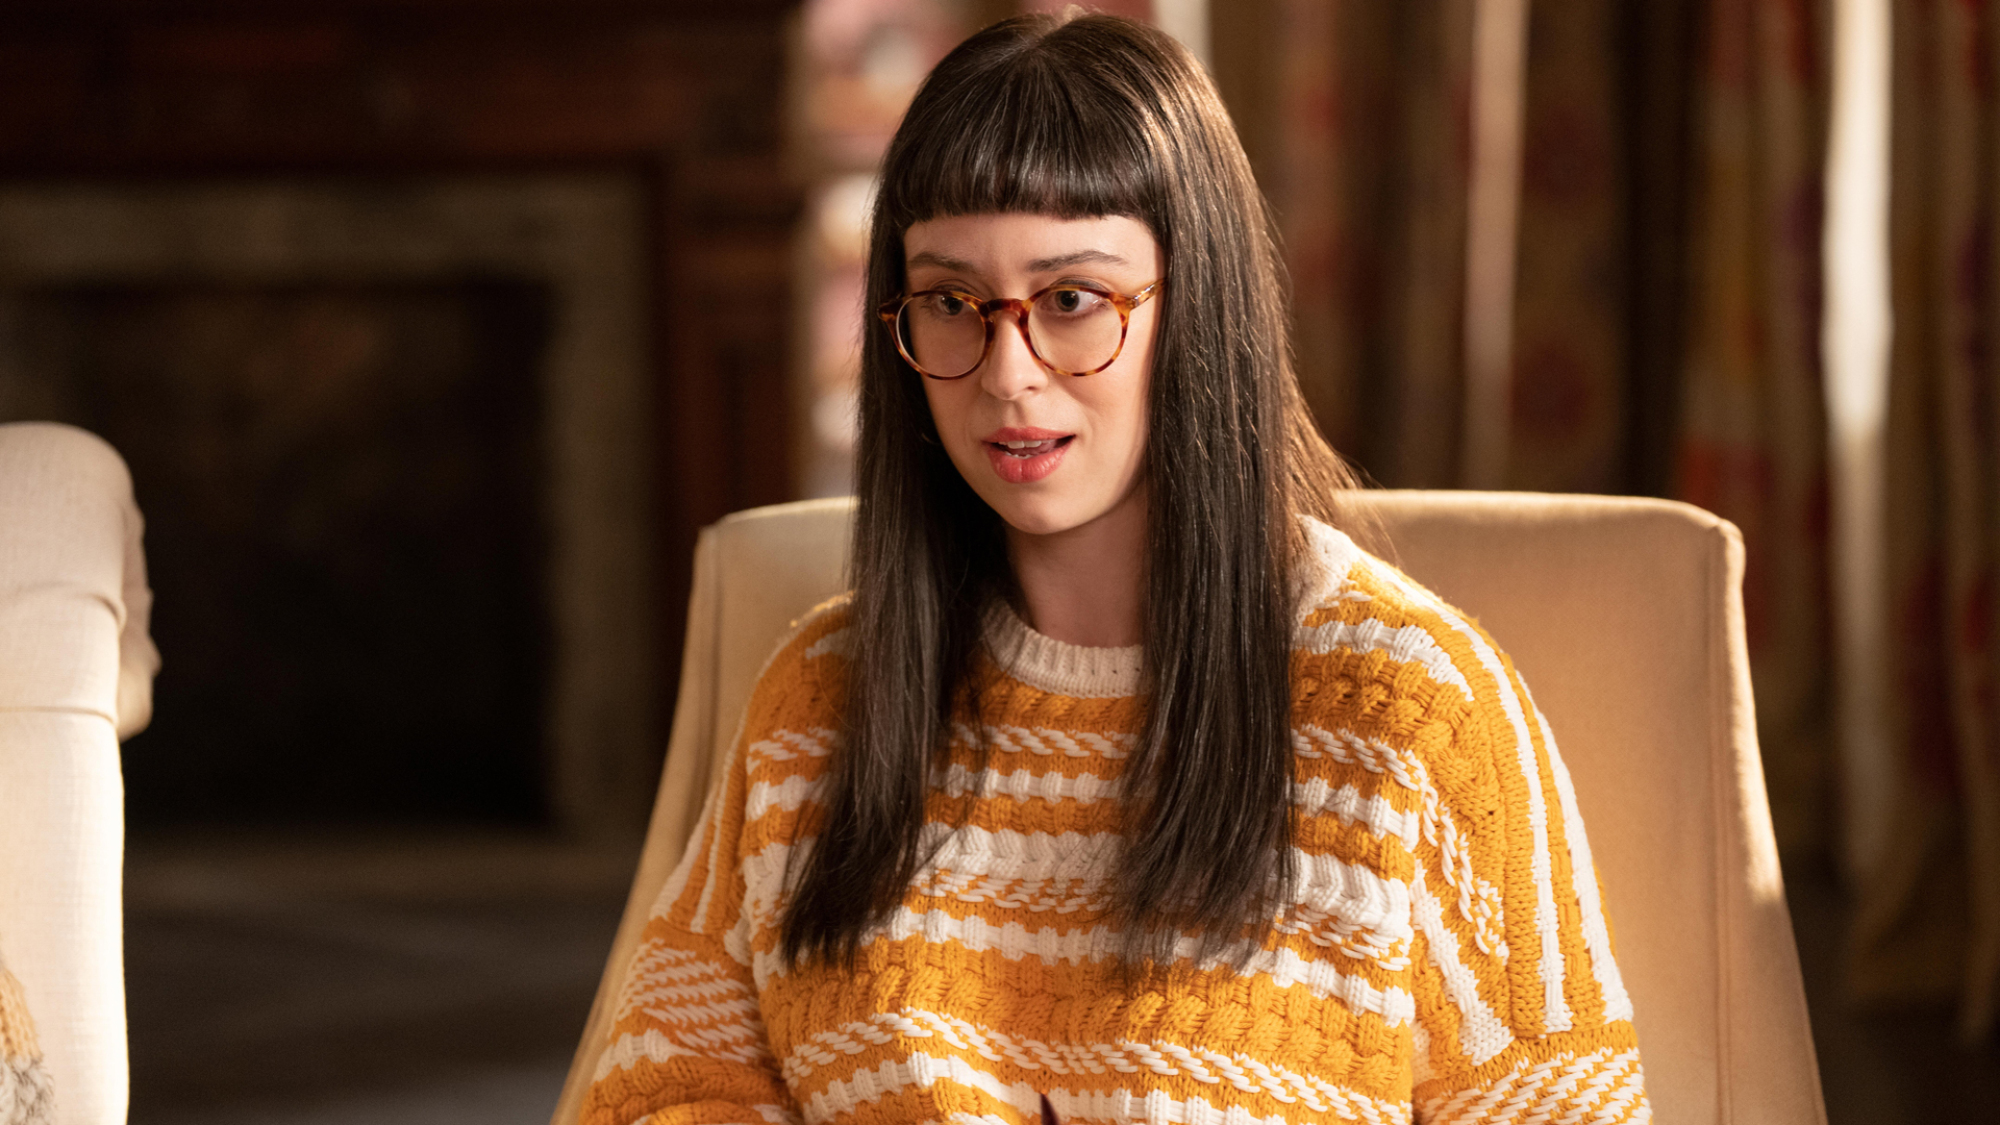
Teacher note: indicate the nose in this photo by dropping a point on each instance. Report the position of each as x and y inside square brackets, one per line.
[1011, 370]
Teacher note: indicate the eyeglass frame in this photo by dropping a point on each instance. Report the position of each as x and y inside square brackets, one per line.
[892, 311]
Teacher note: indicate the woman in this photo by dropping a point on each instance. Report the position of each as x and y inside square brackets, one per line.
[1121, 776]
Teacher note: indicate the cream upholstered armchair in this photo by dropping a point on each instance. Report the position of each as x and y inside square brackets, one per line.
[1626, 618]
[76, 676]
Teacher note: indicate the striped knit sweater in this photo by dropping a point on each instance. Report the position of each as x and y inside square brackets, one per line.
[1445, 957]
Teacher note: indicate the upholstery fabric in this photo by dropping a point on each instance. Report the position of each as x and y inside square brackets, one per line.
[1626, 616]
[76, 667]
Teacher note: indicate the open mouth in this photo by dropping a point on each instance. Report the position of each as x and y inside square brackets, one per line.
[1023, 455]
[1028, 449]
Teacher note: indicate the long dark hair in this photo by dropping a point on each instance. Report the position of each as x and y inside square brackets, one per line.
[1087, 116]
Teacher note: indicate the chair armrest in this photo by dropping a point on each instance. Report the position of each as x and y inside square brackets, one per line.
[76, 667]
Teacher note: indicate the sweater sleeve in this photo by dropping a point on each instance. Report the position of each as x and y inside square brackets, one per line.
[688, 1044]
[1521, 1011]
[687, 1039]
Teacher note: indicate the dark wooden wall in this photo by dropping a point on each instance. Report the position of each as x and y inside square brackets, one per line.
[686, 93]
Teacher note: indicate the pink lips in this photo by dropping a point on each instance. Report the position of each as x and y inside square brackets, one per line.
[1017, 463]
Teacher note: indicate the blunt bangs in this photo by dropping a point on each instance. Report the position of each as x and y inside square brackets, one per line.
[1042, 128]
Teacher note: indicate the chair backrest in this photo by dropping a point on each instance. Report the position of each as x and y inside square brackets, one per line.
[1625, 617]
[76, 675]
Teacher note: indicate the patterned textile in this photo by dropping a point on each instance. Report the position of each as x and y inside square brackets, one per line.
[1568, 412]
[26, 1095]
[1929, 924]
[1753, 419]
[1666, 334]
[1368, 171]
[1445, 956]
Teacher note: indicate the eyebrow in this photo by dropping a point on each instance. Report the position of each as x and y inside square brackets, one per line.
[1075, 258]
[1039, 265]
[941, 261]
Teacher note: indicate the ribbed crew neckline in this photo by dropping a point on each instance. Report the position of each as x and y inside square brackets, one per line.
[1077, 671]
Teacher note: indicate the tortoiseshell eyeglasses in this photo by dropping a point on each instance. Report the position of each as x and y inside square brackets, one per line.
[1071, 328]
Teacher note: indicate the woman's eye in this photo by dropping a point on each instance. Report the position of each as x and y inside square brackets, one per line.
[1070, 302]
[947, 304]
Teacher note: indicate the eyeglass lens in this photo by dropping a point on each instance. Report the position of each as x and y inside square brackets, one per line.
[1073, 330]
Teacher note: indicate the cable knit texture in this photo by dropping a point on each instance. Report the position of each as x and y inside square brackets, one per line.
[1445, 956]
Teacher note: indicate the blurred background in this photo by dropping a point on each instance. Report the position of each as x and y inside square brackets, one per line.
[433, 330]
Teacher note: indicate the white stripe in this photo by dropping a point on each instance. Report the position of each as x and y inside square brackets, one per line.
[1152, 1105]
[737, 941]
[1478, 902]
[1354, 894]
[1349, 908]
[1535, 1090]
[725, 769]
[1090, 944]
[1333, 555]
[698, 921]
[1421, 1067]
[786, 795]
[656, 960]
[1410, 644]
[682, 995]
[655, 1047]
[835, 642]
[1481, 1034]
[711, 826]
[1359, 923]
[671, 890]
[1245, 1073]
[1020, 855]
[1583, 873]
[627, 1051]
[651, 1046]
[1314, 797]
[1556, 1007]
[671, 986]
[1374, 812]
[729, 1021]
[1063, 896]
[1047, 741]
[1023, 785]
[1350, 940]
[1085, 859]
[791, 745]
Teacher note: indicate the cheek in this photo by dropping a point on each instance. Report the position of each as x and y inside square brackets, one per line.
[1130, 418]
[946, 407]
[1126, 404]
[949, 403]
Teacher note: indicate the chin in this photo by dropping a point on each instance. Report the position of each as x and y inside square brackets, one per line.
[1031, 518]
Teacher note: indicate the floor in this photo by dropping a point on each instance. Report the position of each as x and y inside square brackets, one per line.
[412, 980]
[440, 980]
[1896, 1068]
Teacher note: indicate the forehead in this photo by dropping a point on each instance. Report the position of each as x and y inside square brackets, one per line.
[1007, 242]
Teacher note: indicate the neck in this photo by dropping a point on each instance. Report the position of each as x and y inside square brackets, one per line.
[1086, 586]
